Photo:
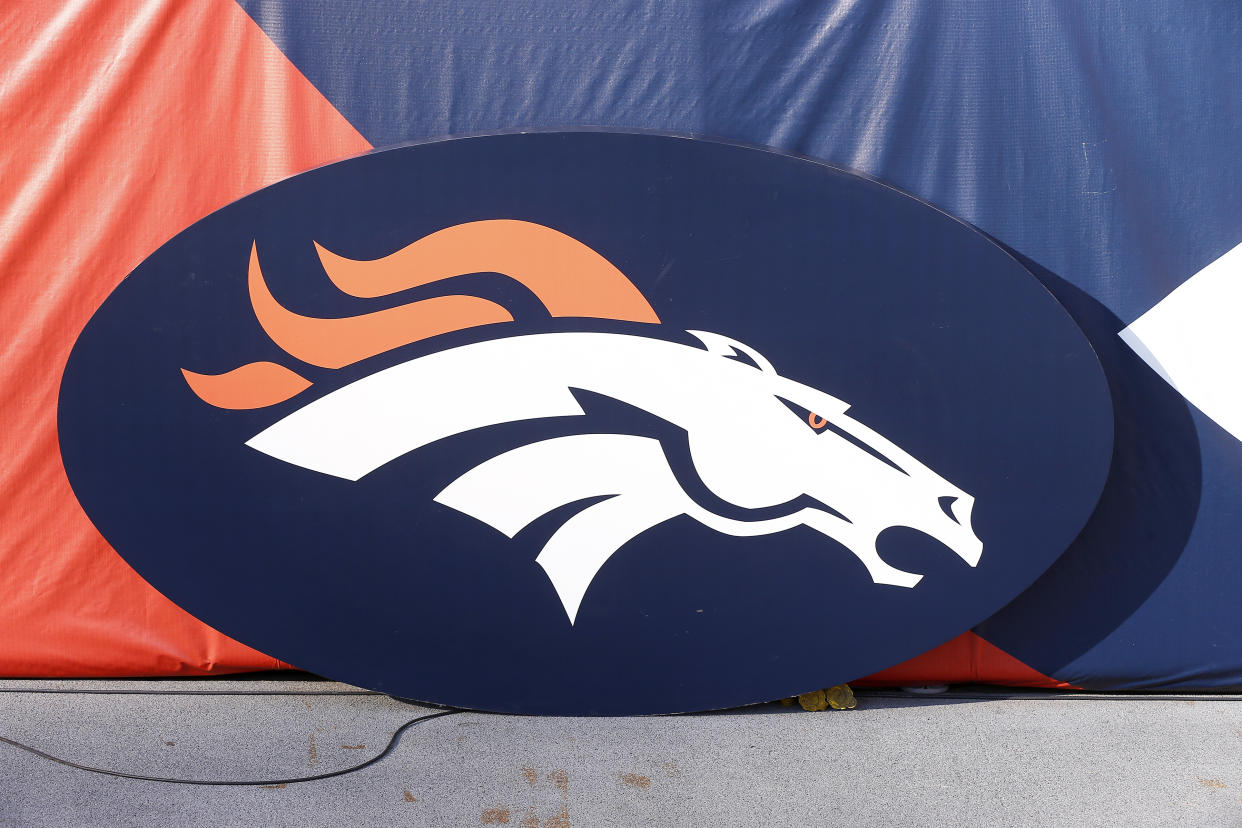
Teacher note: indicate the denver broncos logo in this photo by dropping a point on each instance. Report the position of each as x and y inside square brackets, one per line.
[765, 453]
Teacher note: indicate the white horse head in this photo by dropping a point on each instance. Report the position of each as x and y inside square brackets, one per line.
[772, 452]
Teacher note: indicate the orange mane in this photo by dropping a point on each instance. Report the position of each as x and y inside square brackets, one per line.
[568, 277]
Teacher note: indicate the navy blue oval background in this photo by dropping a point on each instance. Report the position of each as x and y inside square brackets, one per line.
[938, 339]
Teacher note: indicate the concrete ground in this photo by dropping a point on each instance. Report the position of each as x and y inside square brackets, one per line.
[971, 757]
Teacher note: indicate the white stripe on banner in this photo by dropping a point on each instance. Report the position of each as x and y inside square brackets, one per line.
[1193, 338]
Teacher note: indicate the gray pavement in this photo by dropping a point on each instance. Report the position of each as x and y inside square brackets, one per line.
[972, 757]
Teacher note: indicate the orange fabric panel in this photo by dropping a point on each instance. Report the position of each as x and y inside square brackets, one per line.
[967, 659]
[125, 121]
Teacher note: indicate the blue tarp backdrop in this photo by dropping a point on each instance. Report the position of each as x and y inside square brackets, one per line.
[1102, 143]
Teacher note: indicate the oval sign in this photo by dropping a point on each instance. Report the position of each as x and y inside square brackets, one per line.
[585, 423]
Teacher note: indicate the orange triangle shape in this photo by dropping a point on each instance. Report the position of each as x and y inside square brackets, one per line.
[967, 659]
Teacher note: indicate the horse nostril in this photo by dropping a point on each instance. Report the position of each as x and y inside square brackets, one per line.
[946, 506]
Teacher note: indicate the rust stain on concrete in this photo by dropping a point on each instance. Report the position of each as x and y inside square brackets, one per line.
[636, 780]
[495, 816]
[407, 796]
[532, 775]
[558, 820]
[1215, 784]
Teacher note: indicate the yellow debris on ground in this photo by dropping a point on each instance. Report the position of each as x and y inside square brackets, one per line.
[840, 697]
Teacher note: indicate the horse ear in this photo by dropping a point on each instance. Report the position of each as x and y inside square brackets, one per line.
[732, 349]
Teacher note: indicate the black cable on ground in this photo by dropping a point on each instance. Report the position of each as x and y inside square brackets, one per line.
[392, 742]
[396, 735]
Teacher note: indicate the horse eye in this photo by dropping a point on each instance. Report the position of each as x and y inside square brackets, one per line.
[821, 425]
[816, 422]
